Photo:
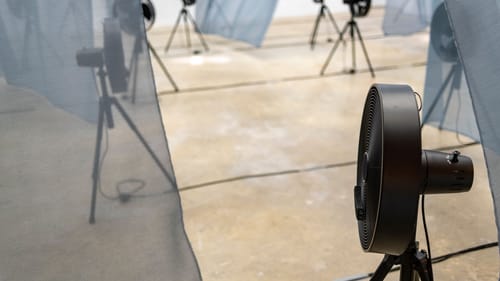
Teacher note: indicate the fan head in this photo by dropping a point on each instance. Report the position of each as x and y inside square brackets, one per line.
[358, 8]
[149, 13]
[393, 170]
[128, 13]
[442, 39]
[188, 2]
[114, 58]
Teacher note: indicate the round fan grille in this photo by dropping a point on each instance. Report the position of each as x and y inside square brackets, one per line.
[388, 171]
[442, 39]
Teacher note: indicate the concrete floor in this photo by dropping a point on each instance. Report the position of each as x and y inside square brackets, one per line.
[249, 111]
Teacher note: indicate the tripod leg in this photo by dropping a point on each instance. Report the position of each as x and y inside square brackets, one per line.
[332, 52]
[446, 105]
[134, 128]
[364, 50]
[163, 67]
[171, 38]
[406, 272]
[315, 29]
[384, 268]
[198, 31]
[186, 30]
[353, 46]
[97, 155]
[134, 79]
[426, 117]
[330, 15]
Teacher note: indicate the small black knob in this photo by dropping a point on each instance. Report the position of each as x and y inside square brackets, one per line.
[453, 158]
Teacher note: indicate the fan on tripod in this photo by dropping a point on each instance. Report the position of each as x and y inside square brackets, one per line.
[127, 13]
[323, 12]
[358, 8]
[109, 62]
[392, 172]
[445, 92]
[187, 17]
[149, 13]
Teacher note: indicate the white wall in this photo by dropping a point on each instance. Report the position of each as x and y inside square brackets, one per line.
[167, 10]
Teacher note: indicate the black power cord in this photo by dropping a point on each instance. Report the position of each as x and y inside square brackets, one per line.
[123, 196]
[427, 240]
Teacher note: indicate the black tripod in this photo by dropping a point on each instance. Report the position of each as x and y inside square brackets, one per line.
[412, 263]
[133, 69]
[352, 25]
[184, 13]
[322, 11]
[453, 80]
[105, 105]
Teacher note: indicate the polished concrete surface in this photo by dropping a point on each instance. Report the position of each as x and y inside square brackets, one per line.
[243, 113]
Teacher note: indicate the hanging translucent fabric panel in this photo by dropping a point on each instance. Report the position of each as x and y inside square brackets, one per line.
[447, 102]
[403, 17]
[87, 188]
[475, 25]
[247, 21]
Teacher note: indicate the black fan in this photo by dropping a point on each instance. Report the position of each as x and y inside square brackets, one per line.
[359, 8]
[127, 12]
[149, 13]
[188, 2]
[393, 171]
[111, 56]
[114, 57]
[442, 39]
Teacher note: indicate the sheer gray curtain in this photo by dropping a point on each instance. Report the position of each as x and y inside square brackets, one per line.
[66, 132]
[403, 17]
[447, 102]
[475, 25]
[236, 19]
